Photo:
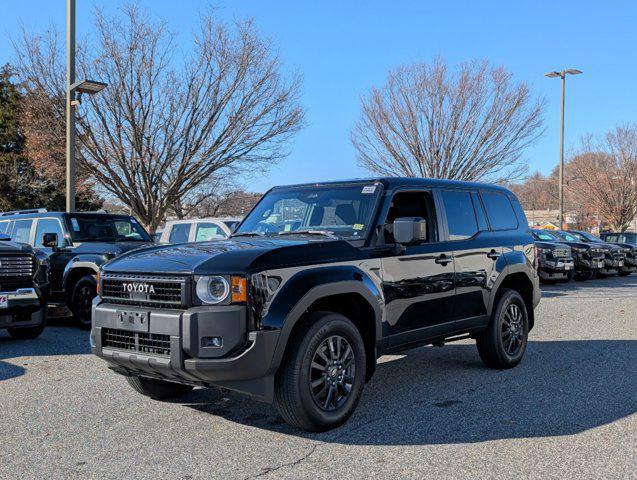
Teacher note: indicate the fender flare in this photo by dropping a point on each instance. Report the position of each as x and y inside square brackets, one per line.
[308, 286]
[90, 261]
[508, 270]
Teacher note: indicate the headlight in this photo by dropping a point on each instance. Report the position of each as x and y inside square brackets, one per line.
[543, 251]
[212, 290]
[578, 249]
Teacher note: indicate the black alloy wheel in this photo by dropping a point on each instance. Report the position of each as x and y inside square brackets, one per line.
[82, 302]
[512, 330]
[332, 373]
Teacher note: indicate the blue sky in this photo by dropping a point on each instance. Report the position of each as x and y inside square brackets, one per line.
[343, 48]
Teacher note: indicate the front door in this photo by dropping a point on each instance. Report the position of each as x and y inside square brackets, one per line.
[417, 279]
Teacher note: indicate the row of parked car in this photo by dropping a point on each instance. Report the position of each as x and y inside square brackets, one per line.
[574, 254]
[53, 258]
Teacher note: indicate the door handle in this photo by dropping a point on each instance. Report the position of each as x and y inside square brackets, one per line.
[443, 259]
[493, 255]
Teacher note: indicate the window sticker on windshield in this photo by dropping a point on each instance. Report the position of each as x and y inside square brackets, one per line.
[358, 226]
[369, 189]
[288, 227]
[76, 226]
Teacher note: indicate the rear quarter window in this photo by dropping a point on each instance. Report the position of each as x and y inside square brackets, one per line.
[179, 233]
[499, 211]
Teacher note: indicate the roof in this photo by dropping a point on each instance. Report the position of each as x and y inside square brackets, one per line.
[395, 182]
[35, 214]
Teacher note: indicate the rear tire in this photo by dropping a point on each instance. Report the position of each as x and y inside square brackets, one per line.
[503, 343]
[84, 291]
[158, 389]
[321, 377]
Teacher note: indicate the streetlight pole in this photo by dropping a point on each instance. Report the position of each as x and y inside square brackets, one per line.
[70, 106]
[562, 75]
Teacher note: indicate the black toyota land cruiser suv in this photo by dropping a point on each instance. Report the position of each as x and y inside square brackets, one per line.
[77, 244]
[628, 241]
[316, 283]
[555, 260]
[23, 289]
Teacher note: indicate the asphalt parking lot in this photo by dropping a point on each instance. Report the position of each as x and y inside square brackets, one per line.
[568, 411]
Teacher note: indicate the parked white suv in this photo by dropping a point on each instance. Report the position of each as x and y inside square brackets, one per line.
[198, 230]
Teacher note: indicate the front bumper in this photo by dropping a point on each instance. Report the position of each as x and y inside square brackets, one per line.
[612, 266]
[556, 269]
[24, 308]
[243, 362]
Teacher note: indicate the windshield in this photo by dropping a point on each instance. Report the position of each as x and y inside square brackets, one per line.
[106, 228]
[567, 236]
[543, 235]
[587, 237]
[344, 211]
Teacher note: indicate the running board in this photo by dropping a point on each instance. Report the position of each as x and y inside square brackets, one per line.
[441, 343]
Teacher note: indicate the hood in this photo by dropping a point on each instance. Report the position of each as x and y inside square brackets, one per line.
[236, 255]
[110, 248]
[7, 246]
[550, 245]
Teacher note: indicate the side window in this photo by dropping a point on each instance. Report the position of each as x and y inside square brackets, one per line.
[461, 216]
[4, 226]
[482, 219]
[179, 233]
[48, 225]
[411, 204]
[206, 230]
[500, 211]
[613, 238]
[21, 231]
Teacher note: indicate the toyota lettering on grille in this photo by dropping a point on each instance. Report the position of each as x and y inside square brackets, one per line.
[136, 287]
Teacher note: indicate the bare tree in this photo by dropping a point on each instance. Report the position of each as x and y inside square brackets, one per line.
[427, 121]
[160, 131]
[604, 176]
[537, 192]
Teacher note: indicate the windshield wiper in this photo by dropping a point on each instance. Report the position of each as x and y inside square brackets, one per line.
[323, 233]
[248, 234]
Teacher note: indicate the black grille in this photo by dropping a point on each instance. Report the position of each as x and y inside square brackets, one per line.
[16, 266]
[141, 342]
[160, 291]
[561, 252]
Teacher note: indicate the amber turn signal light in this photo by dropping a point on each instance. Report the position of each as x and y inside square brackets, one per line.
[238, 288]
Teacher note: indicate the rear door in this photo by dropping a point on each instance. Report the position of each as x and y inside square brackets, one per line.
[475, 251]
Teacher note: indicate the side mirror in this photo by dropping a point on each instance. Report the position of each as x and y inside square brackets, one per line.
[410, 230]
[50, 240]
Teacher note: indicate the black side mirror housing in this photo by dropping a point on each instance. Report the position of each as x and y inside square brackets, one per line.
[410, 230]
[50, 240]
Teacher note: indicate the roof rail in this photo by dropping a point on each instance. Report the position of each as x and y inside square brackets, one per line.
[23, 212]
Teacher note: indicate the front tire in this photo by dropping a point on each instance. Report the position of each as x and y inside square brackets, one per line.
[503, 343]
[321, 378]
[158, 389]
[584, 276]
[26, 333]
[29, 333]
[84, 292]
